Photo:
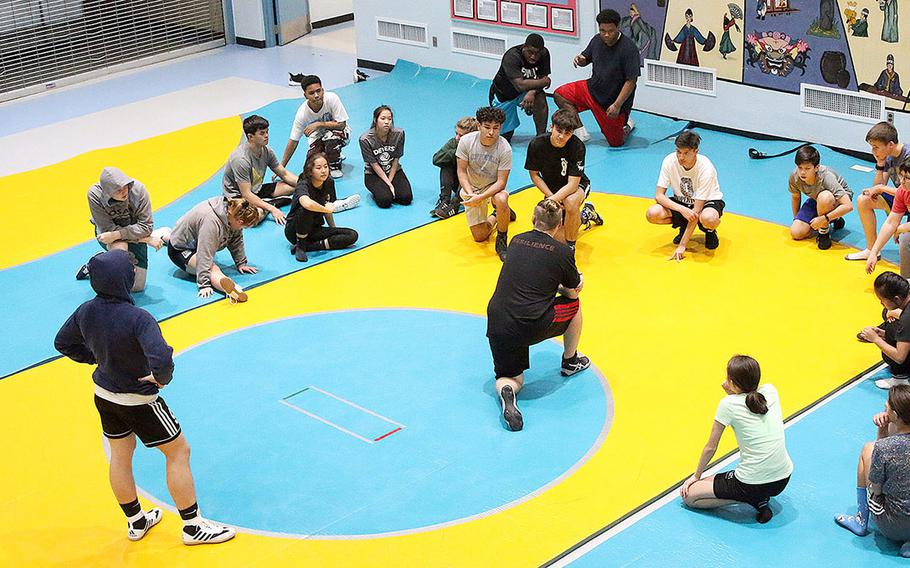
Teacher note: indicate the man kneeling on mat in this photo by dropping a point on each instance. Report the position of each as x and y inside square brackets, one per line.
[536, 298]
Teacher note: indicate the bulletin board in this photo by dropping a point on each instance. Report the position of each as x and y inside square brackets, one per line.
[545, 16]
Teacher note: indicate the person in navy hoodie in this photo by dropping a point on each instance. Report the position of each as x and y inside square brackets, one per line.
[133, 364]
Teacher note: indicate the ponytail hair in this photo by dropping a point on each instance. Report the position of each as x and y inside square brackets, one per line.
[243, 210]
[744, 372]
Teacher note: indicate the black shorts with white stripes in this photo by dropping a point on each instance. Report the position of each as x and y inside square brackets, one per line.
[152, 422]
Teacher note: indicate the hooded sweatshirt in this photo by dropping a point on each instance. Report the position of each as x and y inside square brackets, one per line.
[133, 217]
[205, 229]
[108, 330]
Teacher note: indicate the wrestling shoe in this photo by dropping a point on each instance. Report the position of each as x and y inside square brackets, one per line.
[838, 224]
[502, 245]
[860, 255]
[590, 217]
[891, 381]
[152, 518]
[360, 76]
[336, 172]
[294, 79]
[510, 412]
[82, 273]
[711, 240]
[574, 365]
[206, 532]
[678, 238]
[280, 201]
[348, 202]
[448, 210]
[582, 134]
[628, 127]
[512, 215]
[234, 292]
[440, 203]
[823, 240]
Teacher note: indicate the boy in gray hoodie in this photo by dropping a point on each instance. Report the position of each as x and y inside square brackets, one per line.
[122, 215]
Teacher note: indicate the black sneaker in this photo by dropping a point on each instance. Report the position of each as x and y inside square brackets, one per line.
[82, 273]
[299, 253]
[838, 224]
[678, 237]
[711, 240]
[294, 79]
[280, 201]
[502, 245]
[824, 241]
[440, 203]
[360, 76]
[510, 412]
[512, 215]
[590, 217]
[574, 365]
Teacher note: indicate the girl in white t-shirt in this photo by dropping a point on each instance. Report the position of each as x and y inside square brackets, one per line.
[764, 469]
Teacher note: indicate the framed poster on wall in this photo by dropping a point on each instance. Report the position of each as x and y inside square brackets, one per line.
[546, 16]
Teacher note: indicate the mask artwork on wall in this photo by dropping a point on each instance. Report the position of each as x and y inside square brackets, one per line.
[776, 53]
[687, 37]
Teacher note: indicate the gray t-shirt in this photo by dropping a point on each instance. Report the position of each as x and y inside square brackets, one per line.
[484, 162]
[375, 151]
[826, 179]
[891, 164]
[890, 468]
[244, 166]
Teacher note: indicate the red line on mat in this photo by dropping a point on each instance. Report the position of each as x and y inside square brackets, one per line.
[387, 434]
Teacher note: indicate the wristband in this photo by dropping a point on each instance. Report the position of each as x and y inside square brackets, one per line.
[881, 168]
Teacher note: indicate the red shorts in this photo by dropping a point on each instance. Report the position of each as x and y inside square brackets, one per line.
[613, 129]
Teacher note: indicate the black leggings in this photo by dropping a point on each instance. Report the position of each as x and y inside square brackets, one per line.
[322, 238]
[381, 193]
[448, 183]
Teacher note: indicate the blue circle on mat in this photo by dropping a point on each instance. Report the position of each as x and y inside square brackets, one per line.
[360, 423]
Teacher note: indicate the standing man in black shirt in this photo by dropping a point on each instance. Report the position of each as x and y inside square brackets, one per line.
[611, 89]
[536, 298]
[520, 81]
[556, 163]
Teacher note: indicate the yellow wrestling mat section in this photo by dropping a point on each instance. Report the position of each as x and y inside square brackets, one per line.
[169, 165]
[660, 332]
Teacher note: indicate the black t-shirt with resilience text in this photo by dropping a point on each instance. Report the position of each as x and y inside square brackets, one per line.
[612, 66]
[531, 275]
[320, 195]
[556, 165]
[514, 66]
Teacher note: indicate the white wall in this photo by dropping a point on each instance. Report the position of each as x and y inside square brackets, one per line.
[735, 106]
[325, 9]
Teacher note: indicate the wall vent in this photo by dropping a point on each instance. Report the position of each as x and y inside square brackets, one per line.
[687, 78]
[401, 32]
[473, 43]
[851, 105]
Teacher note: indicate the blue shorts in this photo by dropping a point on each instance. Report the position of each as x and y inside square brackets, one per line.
[511, 110]
[807, 212]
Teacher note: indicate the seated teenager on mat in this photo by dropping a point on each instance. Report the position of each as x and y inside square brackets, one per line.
[205, 229]
[828, 198]
[696, 200]
[244, 172]
[522, 76]
[556, 164]
[892, 337]
[122, 215]
[313, 206]
[133, 364]
[536, 298]
[883, 475]
[323, 121]
[764, 469]
[889, 154]
[444, 158]
[484, 162]
[892, 227]
[382, 147]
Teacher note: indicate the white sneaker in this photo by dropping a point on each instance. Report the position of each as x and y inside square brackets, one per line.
[629, 127]
[336, 173]
[207, 532]
[152, 518]
[582, 134]
[349, 202]
[860, 255]
[890, 382]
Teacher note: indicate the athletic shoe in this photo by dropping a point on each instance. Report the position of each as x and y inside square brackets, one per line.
[336, 173]
[860, 255]
[440, 203]
[711, 240]
[823, 240]
[348, 202]
[512, 215]
[152, 518]
[891, 381]
[838, 224]
[299, 253]
[502, 245]
[582, 134]
[678, 238]
[764, 515]
[234, 292]
[589, 216]
[510, 412]
[280, 201]
[206, 532]
[629, 126]
[294, 79]
[360, 76]
[447, 210]
[574, 365]
[82, 273]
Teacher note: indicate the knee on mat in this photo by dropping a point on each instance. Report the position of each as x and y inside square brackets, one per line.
[383, 202]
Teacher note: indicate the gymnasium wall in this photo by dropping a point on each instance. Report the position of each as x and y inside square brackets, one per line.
[823, 42]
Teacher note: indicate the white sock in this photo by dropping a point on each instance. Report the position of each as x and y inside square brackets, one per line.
[138, 516]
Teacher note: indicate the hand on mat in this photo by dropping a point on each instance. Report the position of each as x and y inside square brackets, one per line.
[684, 490]
[247, 269]
[871, 262]
[205, 292]
[108, 237]
[278, 216]
[151, 379]
[679, 253]
[881, 420]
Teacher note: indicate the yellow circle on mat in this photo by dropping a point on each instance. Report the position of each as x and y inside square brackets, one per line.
[660, 331]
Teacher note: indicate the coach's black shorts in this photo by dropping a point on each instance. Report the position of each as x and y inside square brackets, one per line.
[152, 422]
[179, 256]
[680, 221]
[511, 353]
[267, 190]
[726, 486]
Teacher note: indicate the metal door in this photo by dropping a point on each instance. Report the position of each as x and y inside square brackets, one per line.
[292, 19]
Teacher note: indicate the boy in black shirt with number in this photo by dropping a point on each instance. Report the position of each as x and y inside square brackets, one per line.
[536, 298]
[556, 163]
[523, 75]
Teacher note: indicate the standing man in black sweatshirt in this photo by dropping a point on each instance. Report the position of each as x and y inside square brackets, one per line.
[133, 363]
